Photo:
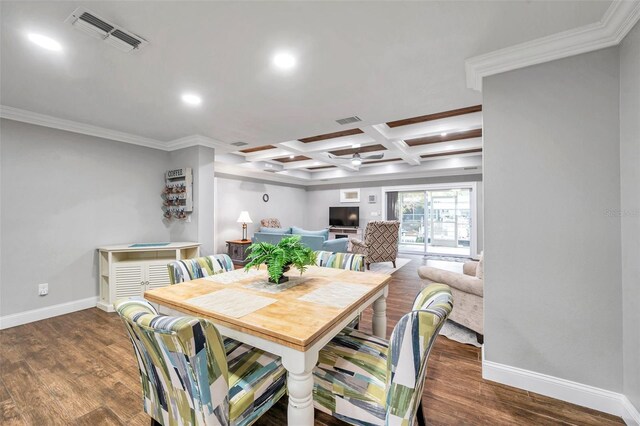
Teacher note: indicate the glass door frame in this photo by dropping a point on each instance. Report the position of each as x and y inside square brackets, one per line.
[472, 186]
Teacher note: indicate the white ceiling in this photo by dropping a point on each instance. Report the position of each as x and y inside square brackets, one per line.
[380, 61]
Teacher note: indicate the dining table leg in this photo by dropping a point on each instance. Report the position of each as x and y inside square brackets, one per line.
[299, 366]
[380, 316]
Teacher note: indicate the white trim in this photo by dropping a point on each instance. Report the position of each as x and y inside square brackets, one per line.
[631, 415]
[16, 114]
[24, 116]
[564, 390]
[618, 20]
[13, 320]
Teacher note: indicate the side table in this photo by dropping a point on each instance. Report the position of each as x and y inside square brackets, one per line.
[237, 251]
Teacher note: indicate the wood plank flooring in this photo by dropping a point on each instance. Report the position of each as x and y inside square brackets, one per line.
[79, 369]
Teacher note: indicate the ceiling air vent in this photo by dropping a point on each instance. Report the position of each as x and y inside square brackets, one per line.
[90, 23]
[239, 143]
[349, 120]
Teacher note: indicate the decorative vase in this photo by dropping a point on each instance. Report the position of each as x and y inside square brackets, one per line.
[283, 278]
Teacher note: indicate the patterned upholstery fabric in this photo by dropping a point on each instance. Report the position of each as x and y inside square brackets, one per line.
[270, 222]
[365, 380]
[380, 241]
[199, 267]
[350, 261]
[189, 376]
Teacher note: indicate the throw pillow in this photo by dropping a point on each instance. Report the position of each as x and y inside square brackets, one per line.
[299, 231]
[480, 268]
[266, 230]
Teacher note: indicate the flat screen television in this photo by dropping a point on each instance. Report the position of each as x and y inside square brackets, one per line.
[344, 216]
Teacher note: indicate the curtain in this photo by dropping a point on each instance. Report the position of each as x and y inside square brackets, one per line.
[392, 205]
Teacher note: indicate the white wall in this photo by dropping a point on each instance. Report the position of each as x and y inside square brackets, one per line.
[551, 173]
[630, 209]
[233, 195]
[64, 194]
[201, 227]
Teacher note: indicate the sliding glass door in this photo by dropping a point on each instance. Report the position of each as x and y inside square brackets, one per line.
[437, 221]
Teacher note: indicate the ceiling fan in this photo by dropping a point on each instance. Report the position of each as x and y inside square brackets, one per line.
[356, 159]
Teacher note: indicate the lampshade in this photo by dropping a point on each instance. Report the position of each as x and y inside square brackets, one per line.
[244, 217]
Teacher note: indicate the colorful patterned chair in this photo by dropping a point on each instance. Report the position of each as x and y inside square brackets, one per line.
[350, 261]
[380, 242]
[198, 267]
[191, 377]
[365, 380]
[270, 222]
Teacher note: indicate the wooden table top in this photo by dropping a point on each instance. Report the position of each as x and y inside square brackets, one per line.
[289, 321]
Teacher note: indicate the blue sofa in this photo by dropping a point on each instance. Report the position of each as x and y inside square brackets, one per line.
[315, 240]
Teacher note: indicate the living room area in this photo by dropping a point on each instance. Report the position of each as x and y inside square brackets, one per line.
[349, 212]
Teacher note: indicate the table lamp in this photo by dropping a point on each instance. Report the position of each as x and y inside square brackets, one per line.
[244, 219]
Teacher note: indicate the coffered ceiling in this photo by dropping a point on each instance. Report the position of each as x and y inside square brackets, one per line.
[448, 141]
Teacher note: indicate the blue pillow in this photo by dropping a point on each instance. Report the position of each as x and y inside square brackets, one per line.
[266, 230]
[299, 231]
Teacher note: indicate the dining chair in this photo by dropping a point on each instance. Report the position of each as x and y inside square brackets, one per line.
[199, 267]
[348, 261]
[190, 376]
[365, 380]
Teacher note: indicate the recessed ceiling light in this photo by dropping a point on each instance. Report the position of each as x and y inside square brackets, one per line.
[292, 156]
[284, 60]
[44, 42]
[191, 99]
[443, 134]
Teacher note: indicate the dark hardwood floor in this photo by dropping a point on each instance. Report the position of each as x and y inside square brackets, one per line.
[80, 369]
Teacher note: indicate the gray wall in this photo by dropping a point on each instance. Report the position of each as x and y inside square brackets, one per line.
[64, 194]
[234, 195]
[320, 198]
[551, 174]
[200, 228]
[630, 210]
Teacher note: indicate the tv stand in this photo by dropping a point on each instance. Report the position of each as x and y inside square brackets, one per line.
[344, 232]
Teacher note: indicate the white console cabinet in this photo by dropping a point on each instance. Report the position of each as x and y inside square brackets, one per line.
[345, 232]
[131, 269]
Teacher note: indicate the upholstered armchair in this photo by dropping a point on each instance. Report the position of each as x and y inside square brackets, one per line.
[467, 289]
[365, 380]
[199, 267]
[270, 222]
[380, 242]
[190, 376]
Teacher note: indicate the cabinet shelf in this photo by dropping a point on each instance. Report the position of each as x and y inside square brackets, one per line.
[127, 271]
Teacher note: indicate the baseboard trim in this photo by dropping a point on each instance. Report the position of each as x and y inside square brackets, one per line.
[631, 415]
[26, 317]
[564, 390]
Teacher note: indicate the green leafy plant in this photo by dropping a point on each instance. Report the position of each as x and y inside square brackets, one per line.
[289, 251]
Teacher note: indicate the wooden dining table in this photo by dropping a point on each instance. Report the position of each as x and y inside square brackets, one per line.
[293, 320]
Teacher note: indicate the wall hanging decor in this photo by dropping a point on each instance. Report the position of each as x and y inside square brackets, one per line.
[350, 195]
[177, 195]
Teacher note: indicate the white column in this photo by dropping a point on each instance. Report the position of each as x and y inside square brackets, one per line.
[299, 367]
[380, 315]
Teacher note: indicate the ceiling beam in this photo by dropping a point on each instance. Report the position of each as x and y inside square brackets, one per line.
[435, 116]
[333, 135]
[395, 147]
[467, 134]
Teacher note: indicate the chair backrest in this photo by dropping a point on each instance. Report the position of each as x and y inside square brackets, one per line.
[350, 261]
[409, 348]
[270, 222]
[199, 267]
[182, 363]
[381, 239]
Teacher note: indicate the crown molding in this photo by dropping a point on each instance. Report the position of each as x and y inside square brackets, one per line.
[617, 21]
[197, 140]
[17, 114]
[24, 116]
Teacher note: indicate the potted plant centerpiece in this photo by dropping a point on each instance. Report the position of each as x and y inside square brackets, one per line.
[278, 258]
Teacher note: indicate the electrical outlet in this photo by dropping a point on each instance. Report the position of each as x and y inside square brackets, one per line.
[43, 289]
